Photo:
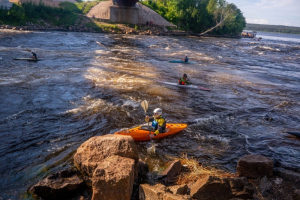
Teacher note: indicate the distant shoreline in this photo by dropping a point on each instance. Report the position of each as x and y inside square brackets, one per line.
[273, 28]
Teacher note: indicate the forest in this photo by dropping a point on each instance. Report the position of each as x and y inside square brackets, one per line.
[273, 28]
[200, 16]
[197, 16]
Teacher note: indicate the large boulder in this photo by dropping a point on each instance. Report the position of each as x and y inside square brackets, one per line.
[92, 152]
[60, 185]
[211, 188]
[113, 179]
[254, 166]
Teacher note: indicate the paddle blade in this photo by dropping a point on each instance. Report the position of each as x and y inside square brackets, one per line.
[144, 105]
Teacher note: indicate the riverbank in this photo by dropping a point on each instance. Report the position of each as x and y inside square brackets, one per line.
[109, 167]
[86, 24]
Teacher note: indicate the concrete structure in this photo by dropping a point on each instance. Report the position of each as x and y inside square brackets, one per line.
[139, 14]
[5, 3]
[124, 14]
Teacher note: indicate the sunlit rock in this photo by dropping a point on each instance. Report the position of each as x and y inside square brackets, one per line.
[113, 179]
[92, 152]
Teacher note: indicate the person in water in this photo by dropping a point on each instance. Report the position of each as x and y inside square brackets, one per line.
[158, 121]
[184, 80]
[33, 55]
[186, 58]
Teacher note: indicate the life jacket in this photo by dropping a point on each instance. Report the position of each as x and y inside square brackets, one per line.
[182, 81]
[159, 123]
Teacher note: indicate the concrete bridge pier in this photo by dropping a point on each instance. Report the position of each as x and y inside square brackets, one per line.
[124, 14]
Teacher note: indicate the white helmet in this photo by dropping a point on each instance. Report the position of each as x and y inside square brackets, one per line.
[158, 111]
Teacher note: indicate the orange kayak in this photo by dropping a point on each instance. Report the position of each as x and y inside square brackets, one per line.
[140, 134]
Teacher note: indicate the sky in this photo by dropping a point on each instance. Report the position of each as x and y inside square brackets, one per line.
[273, 12]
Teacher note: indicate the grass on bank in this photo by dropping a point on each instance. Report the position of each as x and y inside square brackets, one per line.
[67, 14]
[196, 171]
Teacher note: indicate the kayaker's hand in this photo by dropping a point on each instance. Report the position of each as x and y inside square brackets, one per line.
[147, 118]
[151, 135]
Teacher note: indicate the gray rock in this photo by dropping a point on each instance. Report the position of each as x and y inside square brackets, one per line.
[265, 186]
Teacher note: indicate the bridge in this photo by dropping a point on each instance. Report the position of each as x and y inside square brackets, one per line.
[126, 11]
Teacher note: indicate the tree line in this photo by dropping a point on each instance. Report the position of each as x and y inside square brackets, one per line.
[198, 16]
[273, 28]
[201, 16]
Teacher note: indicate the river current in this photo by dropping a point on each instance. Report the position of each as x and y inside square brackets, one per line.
[91, 84]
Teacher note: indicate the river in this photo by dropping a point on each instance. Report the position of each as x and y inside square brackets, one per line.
[91, 84]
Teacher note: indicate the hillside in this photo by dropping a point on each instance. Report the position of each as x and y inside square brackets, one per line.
[273, 28]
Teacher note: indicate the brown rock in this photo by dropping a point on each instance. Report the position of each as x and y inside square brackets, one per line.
[254, 166]
[96, 149]
[60, 185]
[241, 188]
[149, 192]
[296, 195]
[169, 196]
[172, 170]
[113, 179]
[211, 188]
[179, 189]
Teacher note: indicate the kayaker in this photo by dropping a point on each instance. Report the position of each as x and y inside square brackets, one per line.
[185, 59]
[158, 121]
[184, 80]
[33, 55]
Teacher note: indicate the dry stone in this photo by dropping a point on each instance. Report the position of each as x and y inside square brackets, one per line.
[254, 166]
[113, 179]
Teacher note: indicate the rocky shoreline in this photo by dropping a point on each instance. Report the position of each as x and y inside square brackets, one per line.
[144, 30]
[109, 167]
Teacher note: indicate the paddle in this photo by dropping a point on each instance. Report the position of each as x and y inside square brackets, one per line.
[144, 105]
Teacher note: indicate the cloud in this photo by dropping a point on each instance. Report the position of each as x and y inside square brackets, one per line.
[273, 4]
[257, 21]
